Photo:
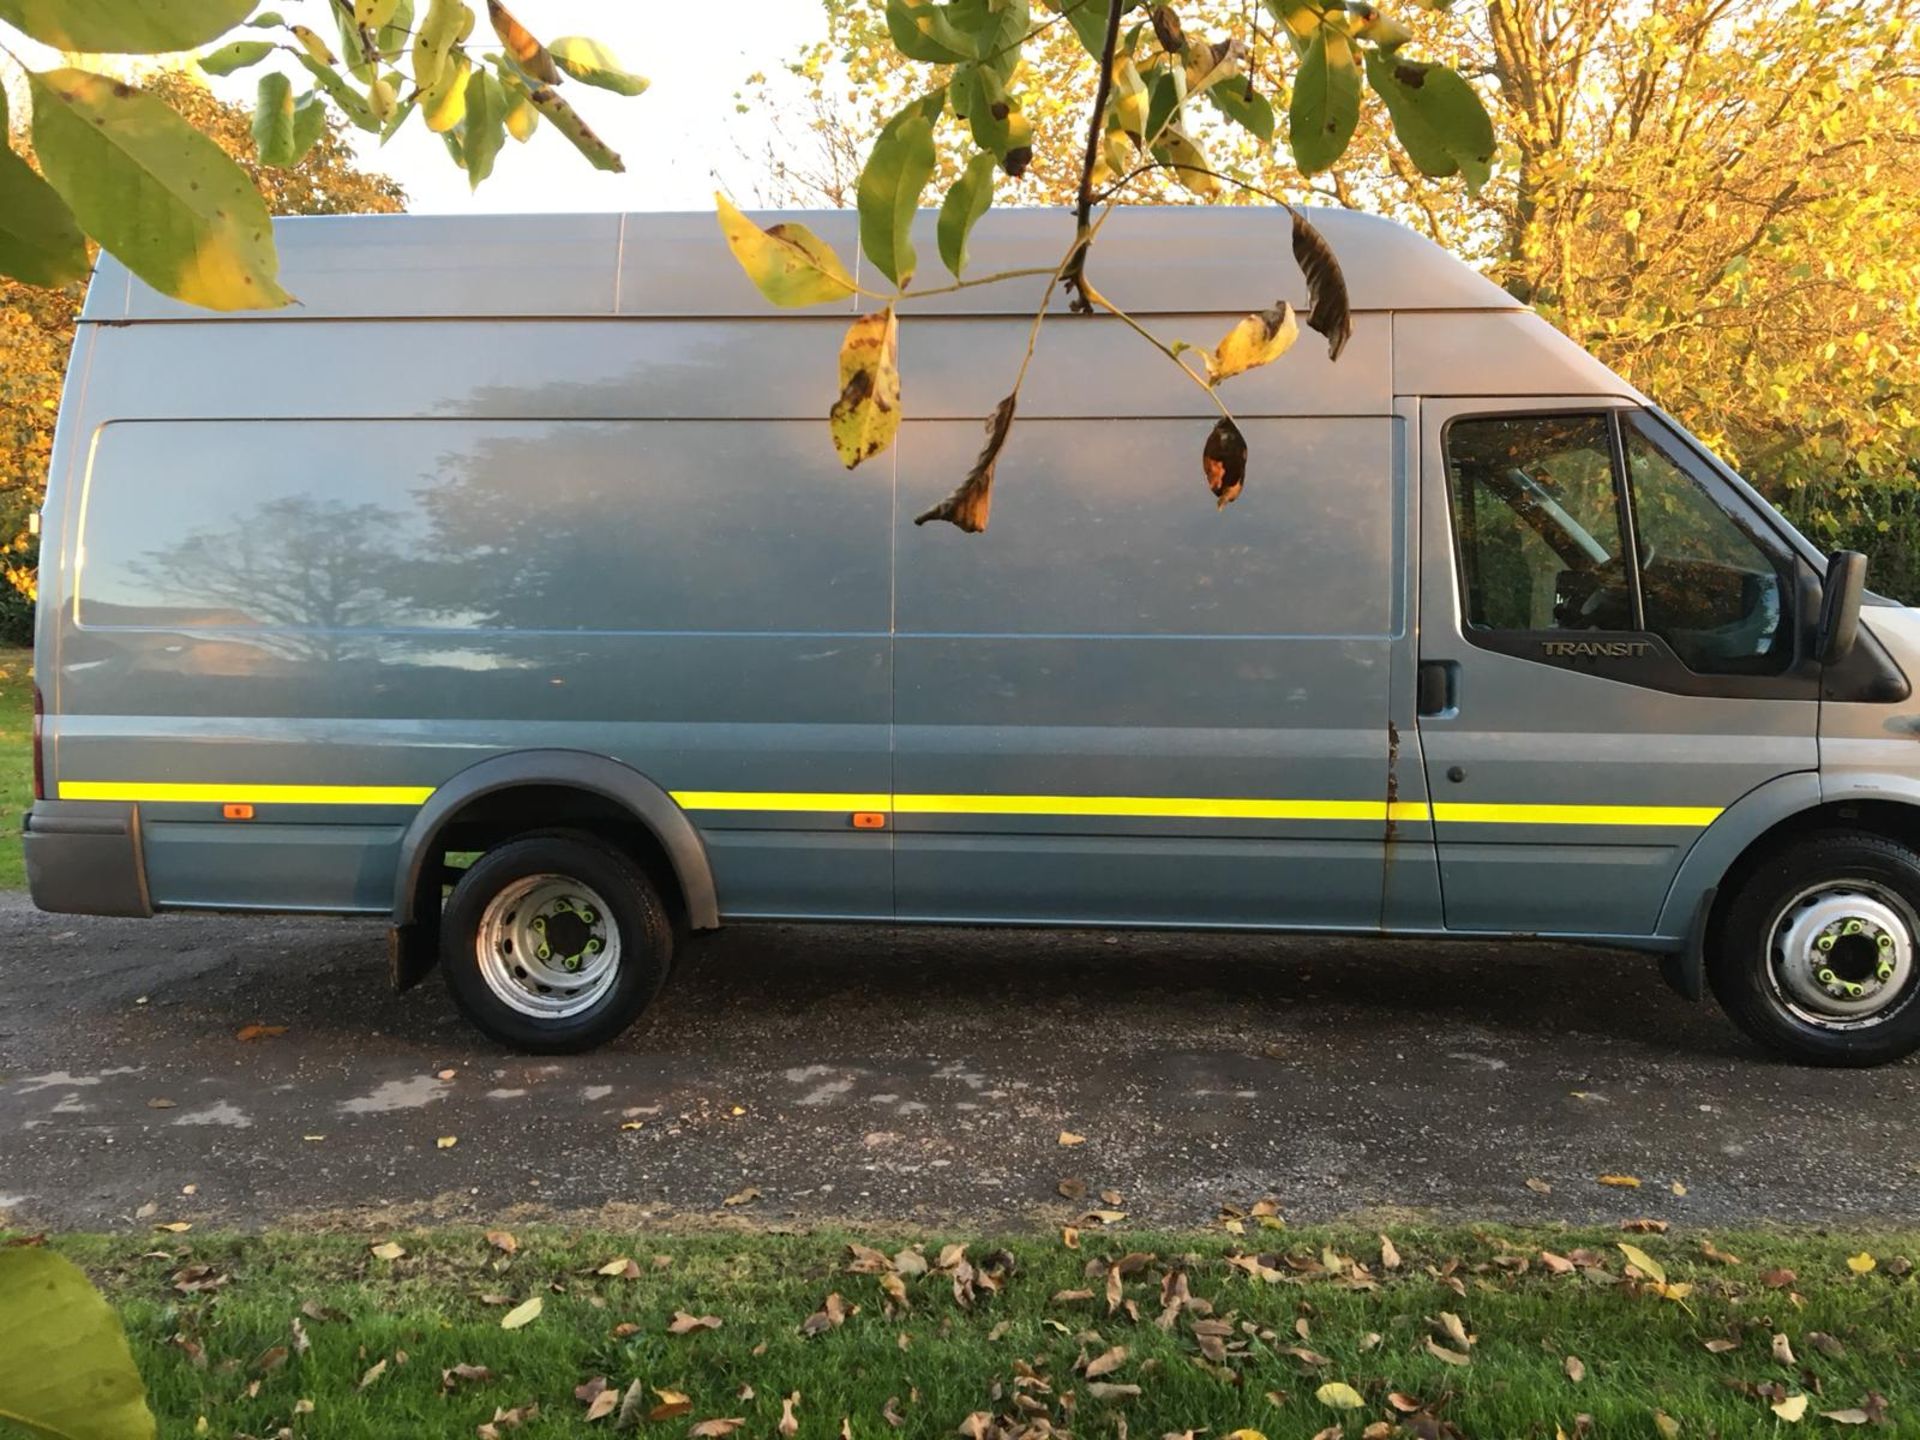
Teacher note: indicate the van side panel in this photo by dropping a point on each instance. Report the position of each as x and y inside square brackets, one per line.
[362, 608]
[1182, 709]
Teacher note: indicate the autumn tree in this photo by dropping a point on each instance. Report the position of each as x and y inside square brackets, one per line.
[1717, 198]
[36, 322]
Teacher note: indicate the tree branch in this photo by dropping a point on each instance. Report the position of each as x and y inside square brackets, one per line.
[1096, 129]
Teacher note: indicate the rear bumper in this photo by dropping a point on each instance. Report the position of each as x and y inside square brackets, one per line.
[83, 858]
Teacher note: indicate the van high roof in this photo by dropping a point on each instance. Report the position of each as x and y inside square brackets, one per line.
[1149, 259]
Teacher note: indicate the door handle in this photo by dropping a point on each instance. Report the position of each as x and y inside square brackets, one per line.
[1438, 687]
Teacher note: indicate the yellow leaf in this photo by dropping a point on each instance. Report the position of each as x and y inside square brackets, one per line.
[447, 1142]
[1067, 1137]
[1246, 1435]
[1793, 1409]
[1668, 1427]
[388, 1250]
[1860, 1264]
[522, 1314]
[789, 264]
[866, 417]
[615, 1267]
[1644, 1263]
[1336, 1395]
[1257, 340]
[175, 1227]
[1625, 1182]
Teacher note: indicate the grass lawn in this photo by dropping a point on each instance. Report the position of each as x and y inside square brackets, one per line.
[1470, 1333]
[16, 758]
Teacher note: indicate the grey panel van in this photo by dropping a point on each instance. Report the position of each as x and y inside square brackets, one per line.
[508, 587]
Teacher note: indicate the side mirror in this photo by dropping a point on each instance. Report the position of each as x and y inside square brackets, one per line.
[1840, 606]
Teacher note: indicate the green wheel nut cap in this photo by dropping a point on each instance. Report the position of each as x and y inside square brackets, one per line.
[1825, 942]
[1855, 991]
[1827, 977]
[1853, 928]
[1886, 942]
[543, 952]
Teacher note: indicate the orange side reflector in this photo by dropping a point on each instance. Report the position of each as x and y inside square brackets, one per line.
[869, 820]
[236, 812]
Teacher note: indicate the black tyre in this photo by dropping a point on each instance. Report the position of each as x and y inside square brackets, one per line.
[554, 943]
[1815, 956]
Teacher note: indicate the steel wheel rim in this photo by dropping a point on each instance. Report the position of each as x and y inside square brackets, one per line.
[547, 947]
[1841, 955]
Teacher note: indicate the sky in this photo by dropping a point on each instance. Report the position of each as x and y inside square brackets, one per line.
[680, 140]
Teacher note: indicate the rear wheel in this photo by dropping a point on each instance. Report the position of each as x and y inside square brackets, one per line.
[554, 943]
[1819, 953]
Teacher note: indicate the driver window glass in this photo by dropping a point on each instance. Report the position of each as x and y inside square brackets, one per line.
[1710, 589]
[1535, 510]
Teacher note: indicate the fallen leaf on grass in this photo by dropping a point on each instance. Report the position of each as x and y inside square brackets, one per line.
[1556, 1264]
[1106, 1390]
[1389, 1256]
[507, 1420]
[456, 1375]
[831, 1315]
[1712, 1252]
[1338, 1395]
[1440, 1352]
[1779, 1279]
[1070, 1237]
[1668, 1427]
[1107, 1363]
[503, 1241]
[1624, 1182]
[175, 1227]
[387, 1250]
[524, 1313]
[789, 1426]
[271, 1360]
[673, 1404]
[1644, 1227]
[716, 1429]
[1793, 1409]
[603, 1405]
[1862, 1263]
[1847, 1417]
[1644, 1263]
[742, 1197]
[1721, 1347]
[1576, 1370]
[374, 1372]
[623, 1269]
[685, 1324]
[325, 1314]
[1783, 1351]
[1826, 1345]
[259, 1032]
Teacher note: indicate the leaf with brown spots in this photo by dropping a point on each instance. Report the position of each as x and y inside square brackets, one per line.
[866, 417]
[1223, 459]
[1330, 312]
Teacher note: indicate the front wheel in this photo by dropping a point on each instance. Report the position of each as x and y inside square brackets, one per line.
[554, 944]
[1818, 956]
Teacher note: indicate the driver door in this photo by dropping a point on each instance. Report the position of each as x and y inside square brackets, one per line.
[1613, 650]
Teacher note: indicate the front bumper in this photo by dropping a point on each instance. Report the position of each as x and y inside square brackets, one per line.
[83, 858]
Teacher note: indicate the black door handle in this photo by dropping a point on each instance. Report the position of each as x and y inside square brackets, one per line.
[1438, 687]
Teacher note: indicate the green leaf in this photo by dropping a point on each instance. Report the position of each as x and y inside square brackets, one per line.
[889, 192]
[1437, 116]
[1245, 106]
[966, 202]
[39, 241]
[486, 128]
[273, 121]
[789, 264]
[1326, 102]
[309, 124]
[352, 103]
[65, 1369]
[267, 20]
[356, 56]
[592, 63]
[922, 31]
[155, 192]
[866, 417]
[438, 34]
[564, 118]
[131, 27]
[1089, 21]
[237, 55]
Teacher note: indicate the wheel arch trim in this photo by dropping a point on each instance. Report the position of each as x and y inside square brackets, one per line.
[599, 775]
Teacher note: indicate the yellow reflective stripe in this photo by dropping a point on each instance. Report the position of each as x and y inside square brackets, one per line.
[1161, 807]
[777, 800]
[1690, 816]
[836, 802]
[246, 794]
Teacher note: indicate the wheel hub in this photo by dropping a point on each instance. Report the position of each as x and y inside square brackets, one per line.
[1843, 953]
[546, 946]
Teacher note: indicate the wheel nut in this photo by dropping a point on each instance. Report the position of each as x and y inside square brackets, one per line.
[588, 917]
[1828, 978]
[1886, 942]
[544, 953]
[1825, 942]
[1855, 991]
[1885, 972]
[1853, 927]
[593, 947]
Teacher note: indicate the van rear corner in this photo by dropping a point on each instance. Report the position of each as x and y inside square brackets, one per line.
[83, 858]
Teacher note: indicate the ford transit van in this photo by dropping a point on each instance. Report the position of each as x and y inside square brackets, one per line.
[508, 586]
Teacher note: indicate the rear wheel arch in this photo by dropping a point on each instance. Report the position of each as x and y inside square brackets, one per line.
[534, 790]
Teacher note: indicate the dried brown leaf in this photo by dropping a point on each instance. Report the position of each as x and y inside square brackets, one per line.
[969, 507]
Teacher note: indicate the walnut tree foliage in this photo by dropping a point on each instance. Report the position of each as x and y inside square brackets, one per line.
[1717, 197]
